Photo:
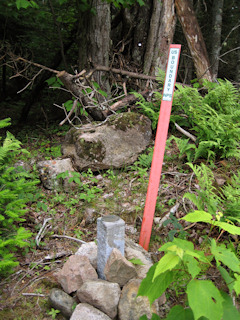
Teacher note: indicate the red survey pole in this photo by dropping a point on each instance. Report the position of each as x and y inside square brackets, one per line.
[160, 143]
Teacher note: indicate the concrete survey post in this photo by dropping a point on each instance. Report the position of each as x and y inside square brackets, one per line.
[110, 234]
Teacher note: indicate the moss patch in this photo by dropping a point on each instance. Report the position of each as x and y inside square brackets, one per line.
[91, 149]
[125, 121]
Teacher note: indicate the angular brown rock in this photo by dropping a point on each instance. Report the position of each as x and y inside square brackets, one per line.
[75, 272]
[118, 269]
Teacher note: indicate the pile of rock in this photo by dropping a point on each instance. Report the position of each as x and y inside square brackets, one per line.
[98, 299]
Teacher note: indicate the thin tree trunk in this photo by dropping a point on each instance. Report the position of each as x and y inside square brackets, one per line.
[140, 33]
[165, 35]
[194, 38]
[238, 62]
[161, 32]
[152, 36]
[216, 36]
[99, 40]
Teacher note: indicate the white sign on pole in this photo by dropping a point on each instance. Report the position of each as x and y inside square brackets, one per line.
[171, 74]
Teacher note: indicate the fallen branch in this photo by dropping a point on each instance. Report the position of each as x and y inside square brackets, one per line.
[125, 73]
[67, 237]
[33, 294]
[186, 133]
[130, 99]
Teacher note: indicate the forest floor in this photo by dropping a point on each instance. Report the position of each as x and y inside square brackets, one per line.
[24, 294]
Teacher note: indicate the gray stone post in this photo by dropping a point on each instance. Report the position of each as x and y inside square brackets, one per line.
[110, 234]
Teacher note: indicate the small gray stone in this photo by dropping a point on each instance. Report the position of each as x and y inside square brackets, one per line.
[85, 311]
[89, 250]
[60, 300]
[49, 170]
[131, 307]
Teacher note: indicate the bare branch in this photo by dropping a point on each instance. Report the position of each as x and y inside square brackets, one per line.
[70, 113]
[67, 237]
[186, 133]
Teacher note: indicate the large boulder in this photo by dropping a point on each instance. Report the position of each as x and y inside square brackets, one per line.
[114, 144]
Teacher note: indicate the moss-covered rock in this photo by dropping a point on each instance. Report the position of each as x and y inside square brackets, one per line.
[114, 144]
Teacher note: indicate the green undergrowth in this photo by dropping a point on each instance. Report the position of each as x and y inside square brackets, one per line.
[188, 180]
[17, 187]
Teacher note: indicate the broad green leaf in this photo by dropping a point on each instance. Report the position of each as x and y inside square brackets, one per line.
[25, 4]
[182, 247]
[198, 216]
[227, 278]
[179, 313]
[154, 289]
[167, 262]
[228, 227]
[177, 250]
[226, 256]
[205, 299]
[192, 265]
[22, 4]
[229, 310]
[184, 244]
[197, 255]
[137, 261]
[236, 285]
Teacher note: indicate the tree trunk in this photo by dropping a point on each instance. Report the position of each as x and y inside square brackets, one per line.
[140, 34]
[99, 40]
[165, 35]
[194, 38]
[238, 63]
[216, 36]
[152, 36]
[160, 36]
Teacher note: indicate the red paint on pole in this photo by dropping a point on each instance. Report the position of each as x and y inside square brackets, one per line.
[160, 143]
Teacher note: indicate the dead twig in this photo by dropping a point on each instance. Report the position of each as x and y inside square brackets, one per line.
[186, 133]
[67, 237]
[33, 294]
[41, 232]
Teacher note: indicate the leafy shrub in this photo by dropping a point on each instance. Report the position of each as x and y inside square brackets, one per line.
[214, 117]
[231, 194]
[16, 188]
[207, 198]
[150, 108]
[204, 299]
